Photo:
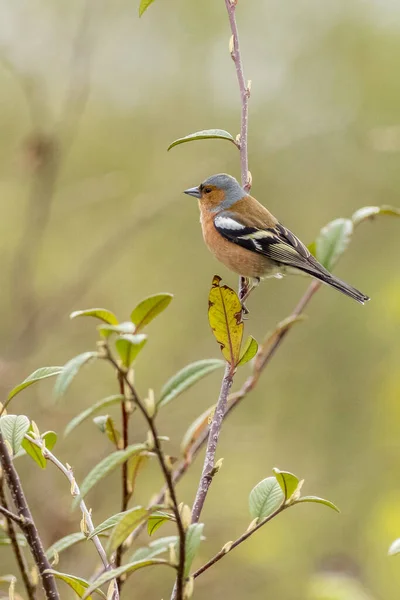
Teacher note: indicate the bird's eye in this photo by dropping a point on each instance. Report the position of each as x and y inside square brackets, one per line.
[207, 190]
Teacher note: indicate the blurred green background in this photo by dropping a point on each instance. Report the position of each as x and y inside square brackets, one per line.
[93, 215]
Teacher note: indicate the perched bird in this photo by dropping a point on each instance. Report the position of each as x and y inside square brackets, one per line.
[249, 240]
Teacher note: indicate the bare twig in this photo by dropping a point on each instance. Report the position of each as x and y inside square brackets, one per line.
[229, 547]
[19, 556]
[165, 470]
[244, 95]
[67, 471]
[125, 437]
[125, 490]
[28, 527]
[213, 436]
[11, 516]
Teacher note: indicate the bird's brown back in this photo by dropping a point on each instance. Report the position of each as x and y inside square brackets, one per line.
[260, 216]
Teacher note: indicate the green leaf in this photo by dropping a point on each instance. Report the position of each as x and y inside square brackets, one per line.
[14, 428]
[206, 134]
[369, 212]
[249, 351]
[192, 543]
[70, 370]
[318, 501]
[79, 585]
[224, 315]
[135, 464]
[144, 5]
[64, 543]
[187, 377]
[131, 519]
[149, 309]
[332, 241]
[128, 347]
[155, 521]
[265, 498]
[99, 313]
[127, 569]
[106, 425]
[109, 401]
[394, 548]
[105, 466]
[37, 375]
[195, 429]
[107, 524]
[34, 452]
[154, 548]
[122, 328]
[288, 482]
[50, 439]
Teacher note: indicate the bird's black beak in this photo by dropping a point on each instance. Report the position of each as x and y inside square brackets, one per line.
[194, 191]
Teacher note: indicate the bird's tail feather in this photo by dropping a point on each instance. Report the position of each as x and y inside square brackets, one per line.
[347, 289]
[338, 284]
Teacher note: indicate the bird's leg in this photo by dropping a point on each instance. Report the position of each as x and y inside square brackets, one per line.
[247, 285]
[244, 285]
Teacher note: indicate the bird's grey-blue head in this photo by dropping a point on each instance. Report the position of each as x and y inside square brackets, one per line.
[231, 190]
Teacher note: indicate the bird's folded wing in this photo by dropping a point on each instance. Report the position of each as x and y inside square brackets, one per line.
[277, 243]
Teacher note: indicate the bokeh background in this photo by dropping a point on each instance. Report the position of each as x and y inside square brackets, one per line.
[93, 215]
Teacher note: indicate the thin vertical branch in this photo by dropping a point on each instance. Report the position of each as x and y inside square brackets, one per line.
[213, 436]
[125, 438]
[29, 528]
[20, 558]
[244, 89]
[166, 473]
[244, 95]
[125, 489]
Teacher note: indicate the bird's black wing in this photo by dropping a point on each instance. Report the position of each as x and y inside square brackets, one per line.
[276, 243]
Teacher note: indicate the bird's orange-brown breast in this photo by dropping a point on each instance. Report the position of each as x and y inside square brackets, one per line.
[238, 259]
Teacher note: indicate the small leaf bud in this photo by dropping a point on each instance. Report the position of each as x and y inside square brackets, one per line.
[186, 516]
[173, 559]
[226, 547]
[188, 589]
[217, 467]
[150, 404]
[252, 525]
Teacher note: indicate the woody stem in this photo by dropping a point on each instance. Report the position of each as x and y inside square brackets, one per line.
[213, 436]
[244, 97]
[244, 94]
[28, 527]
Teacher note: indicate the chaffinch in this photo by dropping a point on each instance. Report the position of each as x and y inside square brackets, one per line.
[249, 240]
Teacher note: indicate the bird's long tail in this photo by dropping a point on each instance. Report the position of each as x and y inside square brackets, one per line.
[323, 275]
[347, 289]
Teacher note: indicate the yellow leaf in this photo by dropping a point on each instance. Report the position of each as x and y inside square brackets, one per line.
[225, 318]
